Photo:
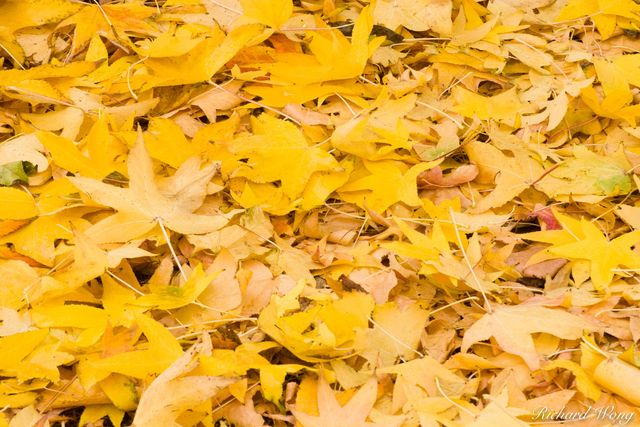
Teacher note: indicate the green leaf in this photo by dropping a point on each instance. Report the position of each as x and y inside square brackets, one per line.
[15, 173]
[617, 184]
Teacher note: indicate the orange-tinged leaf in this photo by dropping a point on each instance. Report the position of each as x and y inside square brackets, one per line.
[7, 253]
[10, 225]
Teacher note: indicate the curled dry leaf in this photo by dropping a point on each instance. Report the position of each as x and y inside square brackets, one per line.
[434, 178]
[618, 376]
[307, 116]
[545, 214]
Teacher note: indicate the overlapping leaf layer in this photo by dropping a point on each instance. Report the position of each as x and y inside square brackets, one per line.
[319, 212]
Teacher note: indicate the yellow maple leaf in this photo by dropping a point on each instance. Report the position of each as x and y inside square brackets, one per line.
[200, 63]
[332, 414]
[587, 177]
[16, 347]
[503, 107]
[388, 182]
[395, 334]
[160, 351]
[37, 239]
[512, 328]
[512, 175]
[427, 373]
[67, 155]
[615, 75]
[590, 244]
[279, 96]
[174, 392]
[618, 376]
[278, 151]
[332, 56]
[246, 357]
[93, 320]
[498, 413]
[325, 330]
[426, 249]
[172, 203]
[583, 382]
[604, 14]
[94, 413]
[170, 44]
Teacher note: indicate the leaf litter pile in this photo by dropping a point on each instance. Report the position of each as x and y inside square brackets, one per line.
[319, 213]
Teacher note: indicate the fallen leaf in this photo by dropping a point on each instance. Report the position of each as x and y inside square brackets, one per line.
[590, 244]
[170, 393]
[509, 326]
[331, 413]
[146, 199]
[434, 178]
[16, 204]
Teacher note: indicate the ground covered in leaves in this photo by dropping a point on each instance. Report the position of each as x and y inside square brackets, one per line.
[319, 213]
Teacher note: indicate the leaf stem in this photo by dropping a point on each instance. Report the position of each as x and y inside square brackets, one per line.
[466, 260]
[173, 252]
